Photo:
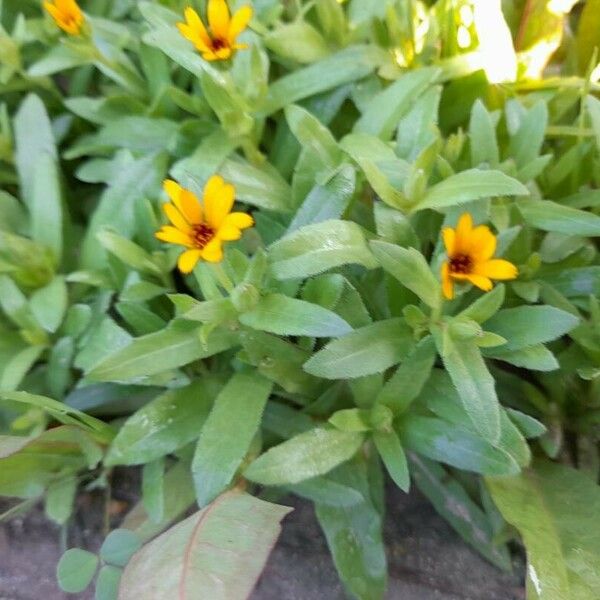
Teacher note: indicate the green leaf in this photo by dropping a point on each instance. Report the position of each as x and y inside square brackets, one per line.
[473, 184]
[128, 252]
[325, 491]
[107, 584]
[178, 481]
[392, 454]
[62, 413]
[153, 489]
[572, 283]
[34, 139]
[227, 104]
[46, 205]
[313, 135]
[328, 201]
[536, 357]
[418, 129]
[530, 325]
[218, 552]
[319, 247]
[304, 456]
[563, 551]
[165, 424]
[368, 350]
[259, 186]
[354, 537]
[526, 144]
[410, 268]
[168, 349]
[485, 306]
[474, 384]
[49, 304]
[407, 382]
[134, 180]
[453, 502]
[455, 445]
[550, 216]
[298, 41]
[385, 109]
[119, 546]
[59, 499]
[351, 419]
[344, 67]
[75, 570]
[227, 434]
[482, 134]
[282, 315]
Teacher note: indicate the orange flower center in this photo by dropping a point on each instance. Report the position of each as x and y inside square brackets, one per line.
[461, 263]
[202, 234]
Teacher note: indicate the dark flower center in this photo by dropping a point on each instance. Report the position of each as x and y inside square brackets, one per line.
[461, 263]
[219, 44]
[202, 235]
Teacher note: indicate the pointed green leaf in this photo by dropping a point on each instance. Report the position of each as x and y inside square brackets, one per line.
[368, 350]
[304, 456]
[282, 315]
[227, 434]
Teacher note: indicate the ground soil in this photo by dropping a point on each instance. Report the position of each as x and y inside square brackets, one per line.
[427, 559]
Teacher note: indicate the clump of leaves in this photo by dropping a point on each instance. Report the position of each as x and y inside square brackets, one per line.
[290, 247]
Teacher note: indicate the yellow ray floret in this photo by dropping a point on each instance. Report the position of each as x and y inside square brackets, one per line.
[470, 253]
[218, 42]
[202, 226]
[66, 14]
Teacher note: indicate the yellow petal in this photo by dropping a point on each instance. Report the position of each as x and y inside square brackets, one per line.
[463, 231]
[481, 282]
[187, 260]
[172, 189]
[218, 18]
[54, 12]
[239, 22]
[239, 219]
[173, 236]
[73, 9]
[498, 269]
[186, 202]
[447, 285]
[218, 200]
[229, 233]
[213, 251]
[190, 207]
[223, 53]
[449, 236]
[196, 24]
[176, 218]
[482, 243]
[190, 34]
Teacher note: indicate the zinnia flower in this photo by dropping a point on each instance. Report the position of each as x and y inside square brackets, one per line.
[470, 251]
[202, 227]
[220, 43]
[67, 15]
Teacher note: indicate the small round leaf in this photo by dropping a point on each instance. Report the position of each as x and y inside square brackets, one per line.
[119, 546]
[75, 570]
[107, 584]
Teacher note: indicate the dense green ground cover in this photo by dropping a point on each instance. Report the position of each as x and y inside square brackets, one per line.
[381, 258]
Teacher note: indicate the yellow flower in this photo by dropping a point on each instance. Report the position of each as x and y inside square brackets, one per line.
[470, 251]
[202, 227]
[220, 43]
[66, 14]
